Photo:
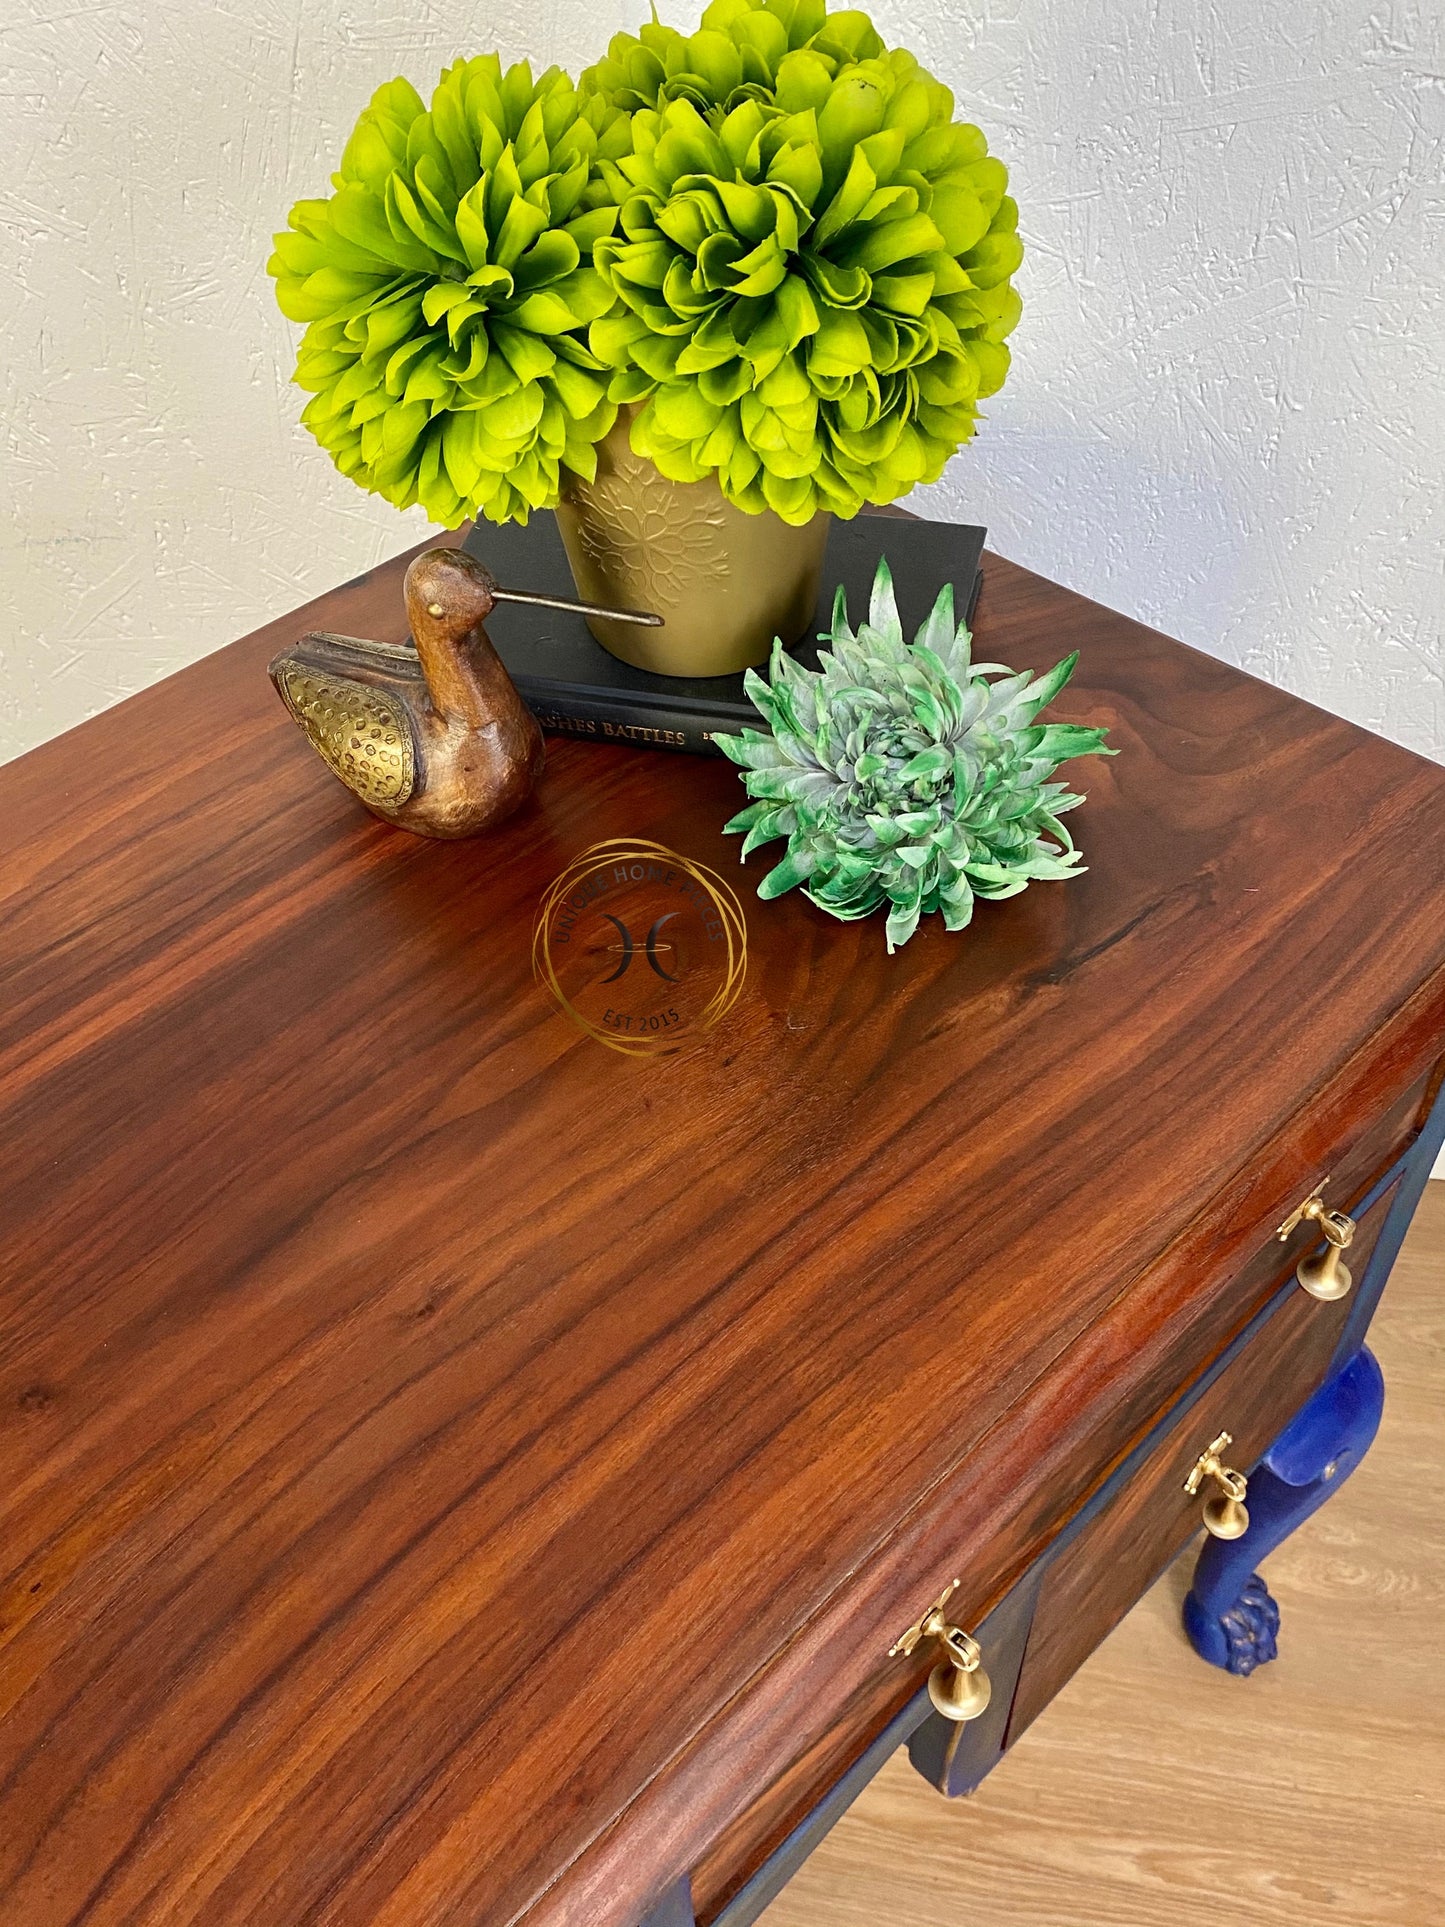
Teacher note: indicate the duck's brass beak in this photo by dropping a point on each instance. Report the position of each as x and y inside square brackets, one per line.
[641, 616]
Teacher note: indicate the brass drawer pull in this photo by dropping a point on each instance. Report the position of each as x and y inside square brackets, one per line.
[1225, 1513]
[1323, 1274]
[958, 1686]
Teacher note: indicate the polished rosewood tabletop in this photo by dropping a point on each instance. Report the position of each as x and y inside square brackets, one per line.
[446, 1464]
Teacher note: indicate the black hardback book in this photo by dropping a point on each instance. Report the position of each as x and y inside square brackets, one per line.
[572, 684]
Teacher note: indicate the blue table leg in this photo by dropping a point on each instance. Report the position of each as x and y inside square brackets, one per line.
[1229, 1615]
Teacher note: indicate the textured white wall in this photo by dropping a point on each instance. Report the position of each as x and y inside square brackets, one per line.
[1226, 415]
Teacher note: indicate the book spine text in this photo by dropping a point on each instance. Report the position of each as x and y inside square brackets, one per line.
[600, 722]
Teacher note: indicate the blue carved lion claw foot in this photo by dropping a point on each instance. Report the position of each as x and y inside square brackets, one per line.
[1243, 1636]
[1229, 1616]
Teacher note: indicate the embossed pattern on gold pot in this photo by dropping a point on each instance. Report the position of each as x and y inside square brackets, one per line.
[724, 583]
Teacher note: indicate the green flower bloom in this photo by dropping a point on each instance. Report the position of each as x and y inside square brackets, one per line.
[813, 260]
[447, 286]
[735, 54]
[901, 775]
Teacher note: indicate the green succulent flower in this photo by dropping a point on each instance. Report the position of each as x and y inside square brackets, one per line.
[447, 286]
[812, 259]
[901, 774]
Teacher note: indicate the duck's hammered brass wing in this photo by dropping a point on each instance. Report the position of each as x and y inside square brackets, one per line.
[362, 734]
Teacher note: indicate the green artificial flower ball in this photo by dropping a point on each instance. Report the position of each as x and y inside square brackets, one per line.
[734, 55]
[447, 286]
[812, 260]
[907, 775]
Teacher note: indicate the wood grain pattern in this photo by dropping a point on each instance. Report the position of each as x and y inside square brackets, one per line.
[784, 1800]
[1158, 1792]
[1095, 1581]
[447, 1466]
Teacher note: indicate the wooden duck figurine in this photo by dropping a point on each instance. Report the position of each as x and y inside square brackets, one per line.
[434, 738]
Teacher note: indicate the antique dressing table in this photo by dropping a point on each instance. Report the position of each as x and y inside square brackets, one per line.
[456, 1475]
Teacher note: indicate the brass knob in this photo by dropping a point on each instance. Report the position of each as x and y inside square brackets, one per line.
[1323, 1274]
[958, 1686]
[1225, 1513]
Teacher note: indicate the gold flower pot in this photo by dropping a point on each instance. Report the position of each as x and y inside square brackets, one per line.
[724, 583]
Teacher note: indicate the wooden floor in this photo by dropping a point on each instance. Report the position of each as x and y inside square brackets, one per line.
[1157, 1792]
